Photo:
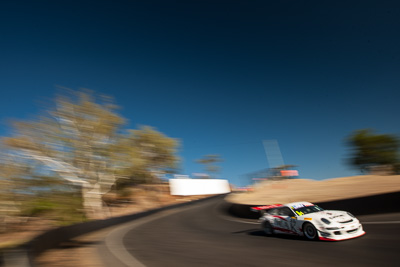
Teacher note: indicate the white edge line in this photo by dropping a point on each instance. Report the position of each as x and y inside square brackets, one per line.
[114, 243]
[114, 240]
[228, 218]
[248, 222]
[388, 222]
[239, 221]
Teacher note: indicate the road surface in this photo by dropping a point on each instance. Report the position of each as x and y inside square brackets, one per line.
[204, 235]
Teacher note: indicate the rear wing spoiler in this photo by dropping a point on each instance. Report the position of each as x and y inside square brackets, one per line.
[262, 209]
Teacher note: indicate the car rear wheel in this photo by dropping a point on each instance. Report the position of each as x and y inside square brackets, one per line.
[267, 227]
[309, 231]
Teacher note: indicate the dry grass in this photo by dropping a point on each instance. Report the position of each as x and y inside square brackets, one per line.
[81, 251]
[317, 191]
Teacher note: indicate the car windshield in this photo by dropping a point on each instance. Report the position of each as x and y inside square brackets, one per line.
[306, 209]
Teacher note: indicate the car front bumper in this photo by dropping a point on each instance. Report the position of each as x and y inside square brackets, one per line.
[343, 233]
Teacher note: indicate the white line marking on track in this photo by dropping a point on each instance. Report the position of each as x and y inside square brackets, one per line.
[250, 222]
[239, 221]
[388, 222]
[228, 218]
[114, 240]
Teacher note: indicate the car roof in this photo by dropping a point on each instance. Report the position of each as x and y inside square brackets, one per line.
[305, 203]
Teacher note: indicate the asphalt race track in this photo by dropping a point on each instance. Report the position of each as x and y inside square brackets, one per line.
[203, 235]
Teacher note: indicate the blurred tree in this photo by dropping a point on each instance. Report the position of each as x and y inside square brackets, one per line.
[372, 150]
[151, 155]
[209, 163]
[9, 186]
[80, 141]
[76, 140]
[23, 190]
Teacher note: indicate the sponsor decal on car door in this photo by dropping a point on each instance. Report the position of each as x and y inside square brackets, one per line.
[285, 221]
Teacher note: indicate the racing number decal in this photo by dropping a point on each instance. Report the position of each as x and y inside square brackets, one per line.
[300, 213]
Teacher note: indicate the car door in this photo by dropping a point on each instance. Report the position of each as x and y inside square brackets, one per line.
[285, 220]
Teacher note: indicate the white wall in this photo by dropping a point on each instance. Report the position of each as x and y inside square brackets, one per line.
[186, 187]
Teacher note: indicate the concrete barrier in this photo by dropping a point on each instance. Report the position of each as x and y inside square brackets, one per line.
[375, 204]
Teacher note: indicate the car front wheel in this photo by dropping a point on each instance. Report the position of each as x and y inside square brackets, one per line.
[310, 231]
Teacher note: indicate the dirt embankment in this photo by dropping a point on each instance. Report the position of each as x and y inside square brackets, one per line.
[140, 199]
[285, 191]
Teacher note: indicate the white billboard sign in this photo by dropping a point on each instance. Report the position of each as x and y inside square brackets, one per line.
[189, 187]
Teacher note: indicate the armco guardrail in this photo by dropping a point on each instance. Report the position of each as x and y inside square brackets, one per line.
[375, 204]
[25, 256]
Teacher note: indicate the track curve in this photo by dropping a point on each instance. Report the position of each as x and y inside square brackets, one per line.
[204, 235]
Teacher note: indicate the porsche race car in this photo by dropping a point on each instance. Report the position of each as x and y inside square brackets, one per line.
[309, 220]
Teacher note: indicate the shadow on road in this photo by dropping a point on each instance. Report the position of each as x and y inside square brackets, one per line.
[76, 244]
[260, 233]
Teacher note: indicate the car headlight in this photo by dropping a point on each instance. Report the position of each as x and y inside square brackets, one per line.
[326, 221]
[351, 214]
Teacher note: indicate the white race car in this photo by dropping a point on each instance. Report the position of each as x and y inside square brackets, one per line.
[309, 220]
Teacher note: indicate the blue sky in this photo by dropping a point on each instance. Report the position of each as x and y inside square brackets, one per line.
[221, 76]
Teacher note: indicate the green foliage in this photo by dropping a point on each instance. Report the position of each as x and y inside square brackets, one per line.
[371, 150]
[38, 207]
[65, 208]
[151, 155]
